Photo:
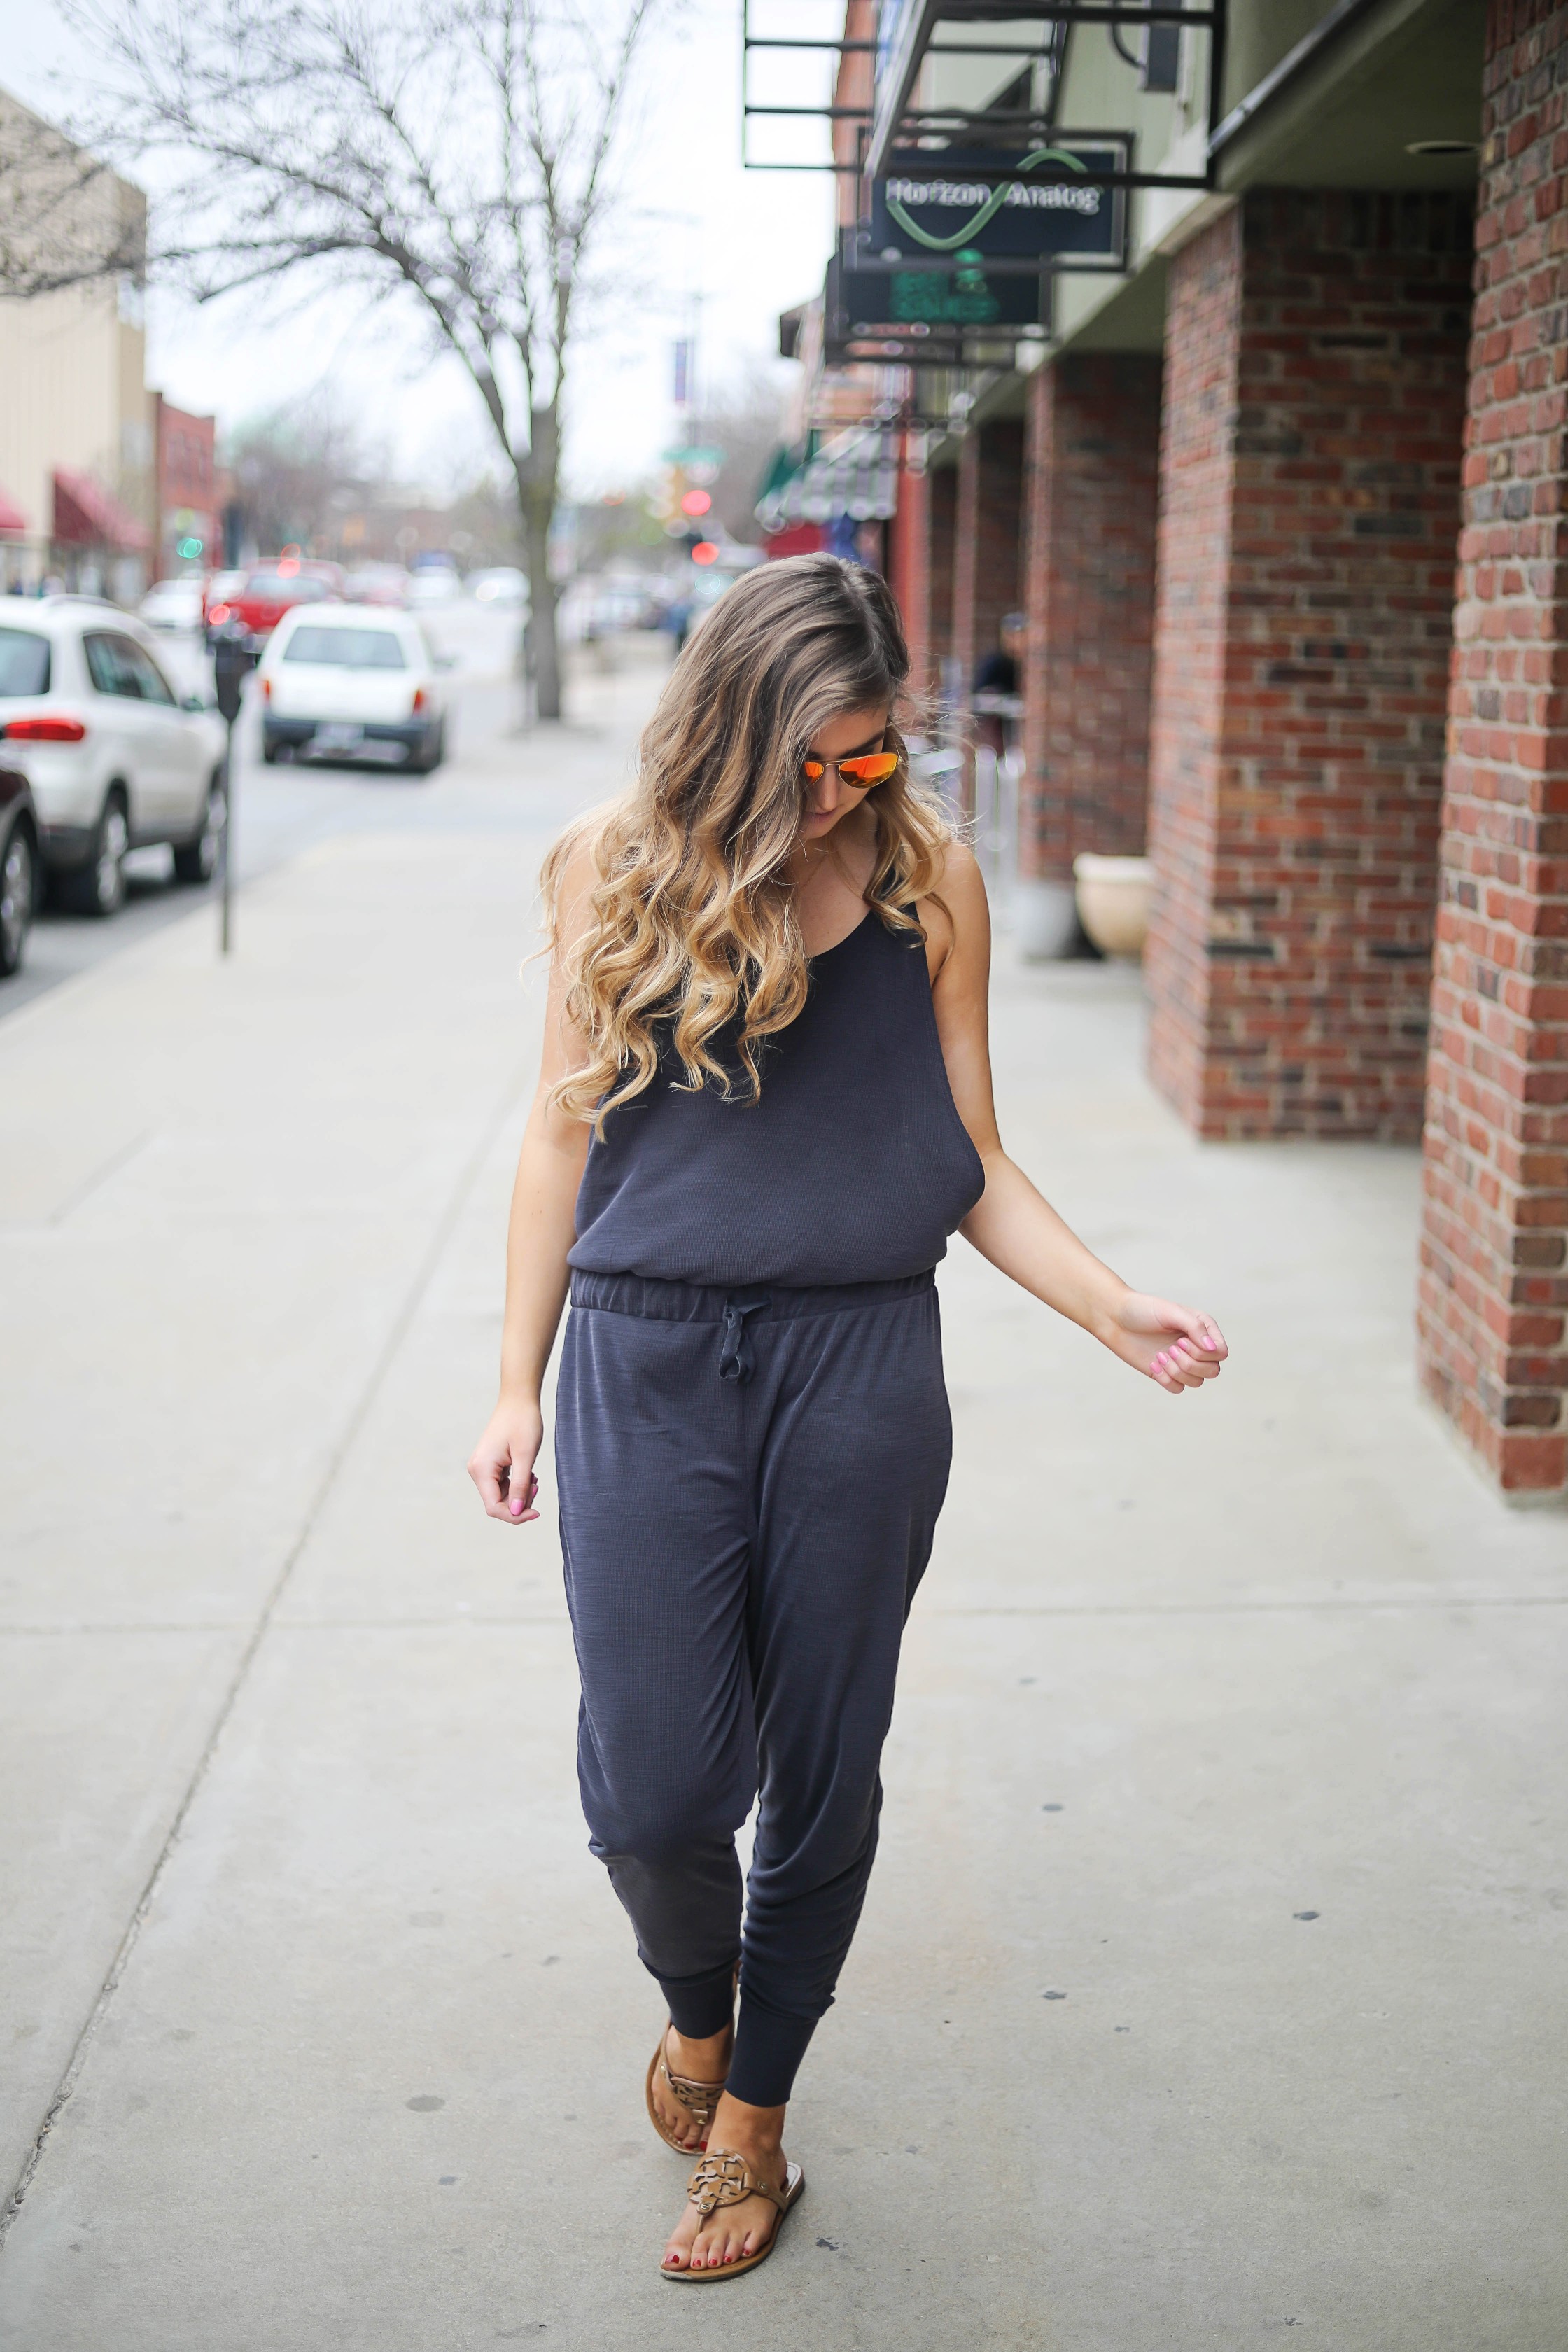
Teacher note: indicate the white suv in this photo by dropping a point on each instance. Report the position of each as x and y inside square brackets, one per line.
[114, 757]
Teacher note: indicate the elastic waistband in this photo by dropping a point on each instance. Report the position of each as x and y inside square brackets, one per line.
[700, 1302]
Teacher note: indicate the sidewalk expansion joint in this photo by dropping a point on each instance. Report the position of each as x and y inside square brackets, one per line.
[402, 1323]
[1388, 1604]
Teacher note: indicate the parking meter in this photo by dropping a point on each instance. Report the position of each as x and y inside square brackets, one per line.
[234, 657]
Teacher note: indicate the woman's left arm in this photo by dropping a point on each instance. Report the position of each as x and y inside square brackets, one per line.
[1011, 1223]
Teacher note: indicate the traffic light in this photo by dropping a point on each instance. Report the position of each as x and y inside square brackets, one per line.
[667, 503]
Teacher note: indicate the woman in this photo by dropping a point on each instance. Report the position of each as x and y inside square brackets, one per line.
[765, 1104]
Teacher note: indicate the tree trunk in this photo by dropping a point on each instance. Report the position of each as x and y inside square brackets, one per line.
[537, 488]
[542, 620]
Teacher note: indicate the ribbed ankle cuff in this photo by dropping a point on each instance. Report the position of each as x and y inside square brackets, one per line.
[769, 2048]
[702, 2005]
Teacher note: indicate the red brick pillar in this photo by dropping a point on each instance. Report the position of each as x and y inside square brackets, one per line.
[1093, 487]
[987, 548]
[941, 490]
[909, 567]
[1494, 1278]
[1314, 392]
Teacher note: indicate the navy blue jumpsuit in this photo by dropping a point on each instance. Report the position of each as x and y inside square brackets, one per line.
[752, 1444]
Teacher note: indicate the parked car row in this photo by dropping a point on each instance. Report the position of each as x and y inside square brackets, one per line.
[101, 757]
[255, 600]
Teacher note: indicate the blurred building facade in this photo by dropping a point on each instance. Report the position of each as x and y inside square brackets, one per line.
[100, 481]
[1274, 468]
[185, 488]
[76, 459]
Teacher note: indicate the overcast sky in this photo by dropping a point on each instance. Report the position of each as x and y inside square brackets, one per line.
[748, 242]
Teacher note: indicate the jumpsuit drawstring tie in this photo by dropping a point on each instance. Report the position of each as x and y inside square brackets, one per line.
[736, 1362]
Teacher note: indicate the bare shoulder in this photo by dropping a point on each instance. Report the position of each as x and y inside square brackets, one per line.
[961, 879]
[576, 853]
[955, 913]
[572, 871]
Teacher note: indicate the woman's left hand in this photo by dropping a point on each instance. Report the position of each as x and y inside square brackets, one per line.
[1174, 1345]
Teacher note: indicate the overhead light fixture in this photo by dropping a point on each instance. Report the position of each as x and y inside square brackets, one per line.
[1443, 147]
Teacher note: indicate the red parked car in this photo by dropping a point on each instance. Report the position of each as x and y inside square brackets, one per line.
[274, 589]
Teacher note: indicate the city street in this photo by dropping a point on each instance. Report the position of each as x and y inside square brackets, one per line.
[281, 811]
[1209, 1990]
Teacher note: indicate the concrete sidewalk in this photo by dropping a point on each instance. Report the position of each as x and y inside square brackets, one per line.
[1232, 1724]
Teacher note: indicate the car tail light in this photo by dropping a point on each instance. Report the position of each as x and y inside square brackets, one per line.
[219, 614]
[419, 700]
[44, 731]
[266, 689]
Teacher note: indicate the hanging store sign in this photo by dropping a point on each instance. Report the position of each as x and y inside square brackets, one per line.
[1051, 210]
[933, 318]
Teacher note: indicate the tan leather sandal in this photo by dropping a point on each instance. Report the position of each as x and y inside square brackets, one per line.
[724, 2179]
[699, 2099]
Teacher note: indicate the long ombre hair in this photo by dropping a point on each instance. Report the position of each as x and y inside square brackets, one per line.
[692, 921]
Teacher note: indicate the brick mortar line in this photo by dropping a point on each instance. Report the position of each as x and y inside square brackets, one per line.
[400, 1326]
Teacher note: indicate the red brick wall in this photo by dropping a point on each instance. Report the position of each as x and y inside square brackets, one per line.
[908, 566]
[941, 548]
[1315, 376]
[185, 457]
[1494, 1278]
[987, 544]
[1093, 491]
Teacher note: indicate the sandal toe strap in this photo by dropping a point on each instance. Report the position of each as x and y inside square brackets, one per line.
[698, 2098]
[725, 2179]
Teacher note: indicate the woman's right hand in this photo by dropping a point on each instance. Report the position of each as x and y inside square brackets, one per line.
[501, 1464]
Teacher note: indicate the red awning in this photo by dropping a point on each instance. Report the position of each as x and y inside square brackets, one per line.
[11, 516]
[85, 516]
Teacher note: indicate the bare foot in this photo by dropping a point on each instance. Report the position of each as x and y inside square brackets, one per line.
[699, 2062]
[732, 2231]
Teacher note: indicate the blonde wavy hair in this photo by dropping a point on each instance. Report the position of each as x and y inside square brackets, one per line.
[692, 926]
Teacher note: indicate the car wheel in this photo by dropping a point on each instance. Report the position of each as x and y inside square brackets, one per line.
[99, 886]
[18, 873]
[195, 861]
[433, 752]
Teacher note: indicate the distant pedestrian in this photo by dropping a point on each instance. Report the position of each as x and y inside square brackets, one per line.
[997, 671]
[765, 1104]
[678, 621]
[997, 679]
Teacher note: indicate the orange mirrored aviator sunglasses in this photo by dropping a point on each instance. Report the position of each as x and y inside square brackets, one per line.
[871, 768]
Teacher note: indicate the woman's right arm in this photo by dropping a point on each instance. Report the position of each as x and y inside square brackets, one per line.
[541, 1231]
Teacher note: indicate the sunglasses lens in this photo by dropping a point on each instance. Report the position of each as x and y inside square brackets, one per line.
[813, 771]
[875, 768]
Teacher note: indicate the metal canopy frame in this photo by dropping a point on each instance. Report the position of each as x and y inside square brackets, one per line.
[894, 125]
[750, 109]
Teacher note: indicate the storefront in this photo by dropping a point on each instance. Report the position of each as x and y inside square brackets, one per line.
[1303, 352]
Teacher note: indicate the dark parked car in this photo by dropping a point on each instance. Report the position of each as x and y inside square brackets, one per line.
[18, 867]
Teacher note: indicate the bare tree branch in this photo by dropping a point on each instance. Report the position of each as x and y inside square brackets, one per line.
[65, 218]
[459, 151]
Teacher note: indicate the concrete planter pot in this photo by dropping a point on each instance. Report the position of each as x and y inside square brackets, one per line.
[1045, 921]
[1113, 901]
